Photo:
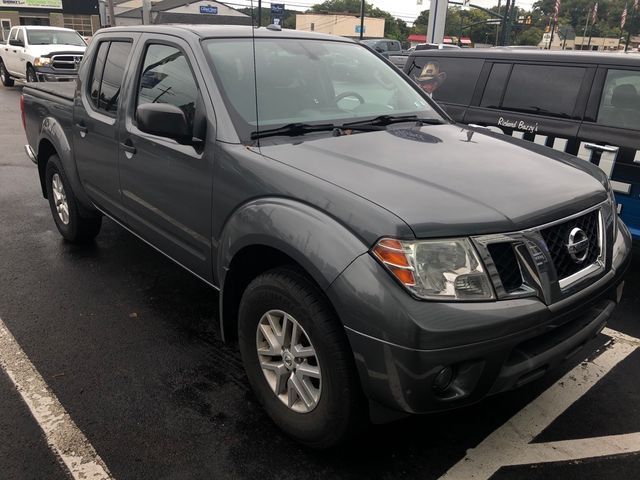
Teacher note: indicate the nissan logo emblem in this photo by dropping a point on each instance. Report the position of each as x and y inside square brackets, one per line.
[578, 245]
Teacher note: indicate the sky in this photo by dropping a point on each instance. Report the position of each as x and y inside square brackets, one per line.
[407, 10]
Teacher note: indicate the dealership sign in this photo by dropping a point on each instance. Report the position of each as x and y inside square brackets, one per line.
[31, 3]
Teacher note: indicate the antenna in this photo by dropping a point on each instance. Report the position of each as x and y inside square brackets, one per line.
[255, 71]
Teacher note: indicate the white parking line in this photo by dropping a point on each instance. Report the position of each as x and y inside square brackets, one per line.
[63, 436]
[511, 443]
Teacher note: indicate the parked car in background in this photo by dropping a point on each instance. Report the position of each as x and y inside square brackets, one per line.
[41, 54]
[583, 103]
[373, 258]
[436, 46]
[384, 46]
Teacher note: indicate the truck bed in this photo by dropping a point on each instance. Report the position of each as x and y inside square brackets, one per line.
[63, 90]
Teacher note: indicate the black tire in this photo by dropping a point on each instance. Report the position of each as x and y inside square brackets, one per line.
[340, 411]
[31, 74]
[6, 79]
[77, 229]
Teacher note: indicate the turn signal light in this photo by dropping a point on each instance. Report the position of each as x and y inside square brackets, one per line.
[392, 256]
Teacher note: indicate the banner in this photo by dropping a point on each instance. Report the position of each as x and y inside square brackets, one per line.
[32, 4]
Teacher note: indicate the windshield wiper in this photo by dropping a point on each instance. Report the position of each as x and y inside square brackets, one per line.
[299, 129]
[384, 120]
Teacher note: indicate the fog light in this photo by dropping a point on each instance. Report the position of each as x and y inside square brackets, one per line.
[443, 379]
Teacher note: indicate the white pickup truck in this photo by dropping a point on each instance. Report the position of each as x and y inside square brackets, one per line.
[41, 54]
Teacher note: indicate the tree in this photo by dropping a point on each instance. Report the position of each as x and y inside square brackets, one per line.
[531, 36]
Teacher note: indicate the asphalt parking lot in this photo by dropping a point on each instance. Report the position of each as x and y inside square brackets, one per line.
[126, 342]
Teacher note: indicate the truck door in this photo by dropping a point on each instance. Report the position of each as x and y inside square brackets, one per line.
[95, 140]
[15, 53]
[610, 136]
[166, 185]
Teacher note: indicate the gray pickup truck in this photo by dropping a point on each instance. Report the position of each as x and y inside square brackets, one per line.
[373, 258]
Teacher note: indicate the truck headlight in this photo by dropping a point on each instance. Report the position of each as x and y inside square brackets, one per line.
[42, 61]
[443, 270]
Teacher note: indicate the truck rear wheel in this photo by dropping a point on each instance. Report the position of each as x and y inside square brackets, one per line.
[6, 79]
[298, 360]
[71, 225]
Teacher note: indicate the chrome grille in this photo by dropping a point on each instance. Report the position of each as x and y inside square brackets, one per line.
[66, 62]
[550, 261]
[556, 239]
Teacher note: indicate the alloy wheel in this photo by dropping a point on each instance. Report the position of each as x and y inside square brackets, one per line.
[60, 198]
[289, 361]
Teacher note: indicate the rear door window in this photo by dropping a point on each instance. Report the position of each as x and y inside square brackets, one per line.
[492, 96]
[446, 79]
[620, 102]
[98, 67]
[108, 72]
[112, 76]
[544, 89]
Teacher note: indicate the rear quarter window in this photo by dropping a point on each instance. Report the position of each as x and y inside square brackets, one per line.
[447, 79]
[620, 102]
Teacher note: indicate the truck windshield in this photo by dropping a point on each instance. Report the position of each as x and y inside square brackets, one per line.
[54, 37]
[308, 82]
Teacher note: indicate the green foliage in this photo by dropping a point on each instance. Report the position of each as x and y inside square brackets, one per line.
[531, 36]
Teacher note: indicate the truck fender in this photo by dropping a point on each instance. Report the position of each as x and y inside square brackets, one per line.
[53, 140]
[318, 243]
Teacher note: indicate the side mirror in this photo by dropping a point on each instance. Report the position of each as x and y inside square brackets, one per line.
[164, 120]
[14, 42]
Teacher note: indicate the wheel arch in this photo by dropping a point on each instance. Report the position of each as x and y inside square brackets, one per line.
[268, 233]
[53, 140]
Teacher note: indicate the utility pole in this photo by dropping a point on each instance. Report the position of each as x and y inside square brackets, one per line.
[361, 19]
[259, 13]
[112, 16]
[497, 26]
[586, 25]
[504, 34]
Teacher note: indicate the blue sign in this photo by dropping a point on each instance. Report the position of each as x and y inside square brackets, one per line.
[358, 28]
[277, 9]
[209, 9]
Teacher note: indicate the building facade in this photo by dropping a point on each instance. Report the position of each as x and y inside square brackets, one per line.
[81, 15]
[130, 12]
[342, 25]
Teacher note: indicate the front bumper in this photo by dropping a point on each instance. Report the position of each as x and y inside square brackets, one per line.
[400, 345]
[50, 74]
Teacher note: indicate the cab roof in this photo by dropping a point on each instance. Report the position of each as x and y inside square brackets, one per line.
[226, 31]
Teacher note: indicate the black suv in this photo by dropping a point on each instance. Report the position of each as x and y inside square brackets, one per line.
[585, 104]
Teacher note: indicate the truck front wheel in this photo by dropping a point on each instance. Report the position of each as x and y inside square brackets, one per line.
[6, 79]
[31, 74]
[297, 359]
[71, 225]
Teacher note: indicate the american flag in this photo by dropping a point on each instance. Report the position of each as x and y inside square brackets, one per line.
[555, 16]
[594, 15]
[623, 19]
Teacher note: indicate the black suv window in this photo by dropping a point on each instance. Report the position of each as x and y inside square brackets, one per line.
[167, 78]
[449, 80]
[620, 103]
[108, 71]
[543, 89]
[495, 85]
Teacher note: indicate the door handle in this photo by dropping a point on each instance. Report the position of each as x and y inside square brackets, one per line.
[128, 147]
[602, 148]
[82, 129]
